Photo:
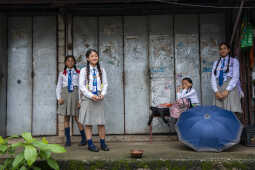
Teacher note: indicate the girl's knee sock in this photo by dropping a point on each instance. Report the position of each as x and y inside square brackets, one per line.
[83, 136]
[90, 143]
[67, 134]
[102, 142]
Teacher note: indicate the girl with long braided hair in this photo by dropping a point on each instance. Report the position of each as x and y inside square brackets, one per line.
[67, 93]
[93, 87]
[225, 81]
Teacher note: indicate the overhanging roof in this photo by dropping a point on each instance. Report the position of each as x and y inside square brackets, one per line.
[119, 7]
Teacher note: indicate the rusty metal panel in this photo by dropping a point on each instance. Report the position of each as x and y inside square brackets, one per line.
[187, 59]
[136, 75]
[3, 74]
[84, 37]
[19, 100]
[111, 55]
[161, 65]
[44, 65]
[212, 33]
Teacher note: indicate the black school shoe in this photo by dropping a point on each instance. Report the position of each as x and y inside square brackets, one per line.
[105, 147]
[93, 148]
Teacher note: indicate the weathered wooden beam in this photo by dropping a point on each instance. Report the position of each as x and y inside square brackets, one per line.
[3, 74]
[73, 1]
[237, 21]
[107, 9]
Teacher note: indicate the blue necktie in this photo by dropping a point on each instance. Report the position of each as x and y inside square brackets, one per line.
[70, 85]
[94, 90]
[221, 76]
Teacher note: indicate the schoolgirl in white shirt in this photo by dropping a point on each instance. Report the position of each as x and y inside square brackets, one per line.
[225, 81]
[93, 86]
[67, 93]
[187, 91]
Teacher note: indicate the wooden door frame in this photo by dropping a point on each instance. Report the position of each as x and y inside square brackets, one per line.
[3, 75]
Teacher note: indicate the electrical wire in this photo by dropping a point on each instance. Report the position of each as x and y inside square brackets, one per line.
[204, 6]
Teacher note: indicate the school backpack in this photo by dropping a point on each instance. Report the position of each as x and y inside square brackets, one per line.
[181, 105]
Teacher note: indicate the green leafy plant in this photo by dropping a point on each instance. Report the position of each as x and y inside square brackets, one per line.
[30, 151]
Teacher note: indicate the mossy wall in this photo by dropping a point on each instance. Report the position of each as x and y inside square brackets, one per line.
[154, 165]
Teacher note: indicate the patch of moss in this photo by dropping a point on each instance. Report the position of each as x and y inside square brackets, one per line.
[208, 165]
[152, 165]
[235, 165]
[76, 165]
[98, 164]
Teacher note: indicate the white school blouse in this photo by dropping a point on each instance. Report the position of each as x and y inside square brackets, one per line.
[191, 94]
[63, 81]
[233, 73]
[86, 89]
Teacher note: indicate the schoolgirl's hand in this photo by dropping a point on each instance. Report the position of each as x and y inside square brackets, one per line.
[60, 101]
[95, 98]
[225, 93]
[179, 88]
[218, 95]
[101, 97]
[78, 105]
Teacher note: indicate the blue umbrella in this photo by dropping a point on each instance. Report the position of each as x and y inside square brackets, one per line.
[209, 128]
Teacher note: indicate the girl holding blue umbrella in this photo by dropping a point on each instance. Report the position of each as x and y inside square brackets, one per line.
[225, 81]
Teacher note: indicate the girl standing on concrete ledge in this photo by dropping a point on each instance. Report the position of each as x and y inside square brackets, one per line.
[225, 81]
[68, 97]
[93, 86]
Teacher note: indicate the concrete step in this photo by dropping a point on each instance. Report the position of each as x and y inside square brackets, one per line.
[112, 138]
[157, 155]
[171, 155]
[133, 138]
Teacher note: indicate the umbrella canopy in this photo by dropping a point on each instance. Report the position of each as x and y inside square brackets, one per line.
[209, 128]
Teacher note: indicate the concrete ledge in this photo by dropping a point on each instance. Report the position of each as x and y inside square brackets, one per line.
[113, 138]
[133, 138]
[157, 155]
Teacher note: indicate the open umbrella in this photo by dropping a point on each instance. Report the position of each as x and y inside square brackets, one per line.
[209, 128]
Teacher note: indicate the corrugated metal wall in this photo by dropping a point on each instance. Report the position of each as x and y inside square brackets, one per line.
[136, 75]
[19, 91]
[212, 32]
[145, 58]
[31, 101]
[44, 75]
